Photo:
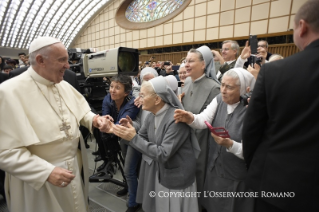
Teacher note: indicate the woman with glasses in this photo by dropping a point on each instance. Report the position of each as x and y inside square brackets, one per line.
[226, 169]
[200, 87]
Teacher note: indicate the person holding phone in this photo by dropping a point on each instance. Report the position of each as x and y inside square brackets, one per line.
[225, 170]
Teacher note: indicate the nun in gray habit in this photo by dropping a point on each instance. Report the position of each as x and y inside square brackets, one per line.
[200, 89]
[169, 152]
[226, 169]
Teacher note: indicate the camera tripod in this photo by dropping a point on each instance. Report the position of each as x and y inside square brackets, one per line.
[113, 159]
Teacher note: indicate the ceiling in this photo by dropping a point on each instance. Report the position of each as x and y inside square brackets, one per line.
[21, 21]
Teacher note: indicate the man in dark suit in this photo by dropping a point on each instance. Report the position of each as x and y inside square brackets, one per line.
[227, 59]
[281, 128]
[17, 71]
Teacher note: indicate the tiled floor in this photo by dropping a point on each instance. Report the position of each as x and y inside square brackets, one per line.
[102, 195]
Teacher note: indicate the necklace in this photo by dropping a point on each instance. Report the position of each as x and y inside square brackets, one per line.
[64, 126]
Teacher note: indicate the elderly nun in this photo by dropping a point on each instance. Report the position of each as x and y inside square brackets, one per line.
[226, 168]
[133, 157]
[169, 156]
[145, 75]
[200, 87]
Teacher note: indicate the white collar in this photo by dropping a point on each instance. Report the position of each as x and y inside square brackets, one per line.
[161, 111]
[199, 78]
[38, 78]
[231, 108]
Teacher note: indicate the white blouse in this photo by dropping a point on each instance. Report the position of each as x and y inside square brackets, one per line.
[208, 115]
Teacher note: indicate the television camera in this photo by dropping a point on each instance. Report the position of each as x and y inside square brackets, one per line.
[94, 70]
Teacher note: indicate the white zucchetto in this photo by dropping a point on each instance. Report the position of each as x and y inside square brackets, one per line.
[41, 42]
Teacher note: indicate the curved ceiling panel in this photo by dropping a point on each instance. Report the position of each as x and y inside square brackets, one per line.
[23, 21]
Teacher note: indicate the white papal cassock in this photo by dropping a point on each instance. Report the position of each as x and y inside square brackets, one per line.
[32, 143]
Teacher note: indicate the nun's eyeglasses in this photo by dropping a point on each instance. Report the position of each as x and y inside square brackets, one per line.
[142, 96]
[190, 61]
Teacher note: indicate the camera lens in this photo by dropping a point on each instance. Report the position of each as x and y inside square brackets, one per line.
[126, 62]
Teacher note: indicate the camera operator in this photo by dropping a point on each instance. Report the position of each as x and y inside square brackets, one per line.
[118, 104]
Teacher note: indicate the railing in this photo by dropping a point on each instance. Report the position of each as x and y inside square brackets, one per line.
[283, 49]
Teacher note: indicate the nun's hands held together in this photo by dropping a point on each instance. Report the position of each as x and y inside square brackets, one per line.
[126, 120]
[125, 131]
[226, 142]
[183, 116]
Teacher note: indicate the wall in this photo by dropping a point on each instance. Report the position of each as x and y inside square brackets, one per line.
[202, 20]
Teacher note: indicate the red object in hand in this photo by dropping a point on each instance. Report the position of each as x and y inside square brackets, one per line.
[219, 131]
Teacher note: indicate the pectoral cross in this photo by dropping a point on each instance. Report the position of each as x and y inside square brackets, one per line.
[66, 128]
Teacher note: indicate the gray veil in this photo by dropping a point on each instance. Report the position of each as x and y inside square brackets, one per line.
[163, 90]
[209, 62]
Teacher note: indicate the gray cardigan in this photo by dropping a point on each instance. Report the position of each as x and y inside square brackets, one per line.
[171, 150]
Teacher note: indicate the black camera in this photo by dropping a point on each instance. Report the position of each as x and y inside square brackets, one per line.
[166, 63]
[246, 96]
[254, 59]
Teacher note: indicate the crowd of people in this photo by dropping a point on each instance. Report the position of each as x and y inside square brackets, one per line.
[7, 65]
[235, 135]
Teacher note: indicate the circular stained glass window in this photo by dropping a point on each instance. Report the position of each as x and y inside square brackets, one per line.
[148, 10]
[141, 14]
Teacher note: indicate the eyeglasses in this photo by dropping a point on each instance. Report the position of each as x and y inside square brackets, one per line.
[142, 96]
[190, 61]
[228, 87]
[224, 49]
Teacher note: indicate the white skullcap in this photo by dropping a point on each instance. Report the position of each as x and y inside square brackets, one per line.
[246, 80]
[41, 42]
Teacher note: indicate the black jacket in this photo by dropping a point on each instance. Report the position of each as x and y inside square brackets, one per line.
[3, 77]
[281, 131]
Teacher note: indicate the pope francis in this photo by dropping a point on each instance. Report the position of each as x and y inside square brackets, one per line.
[39, 134]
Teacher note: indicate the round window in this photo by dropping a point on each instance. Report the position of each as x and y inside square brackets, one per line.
[141, 14]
